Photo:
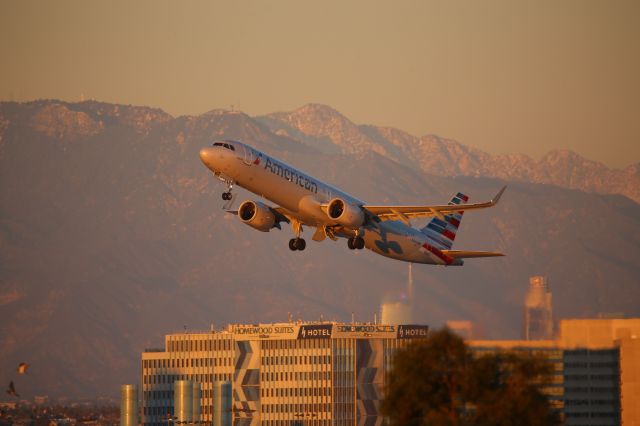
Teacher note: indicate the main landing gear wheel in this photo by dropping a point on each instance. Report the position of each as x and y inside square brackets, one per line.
[226, 196]
[297, 244]
[355, 243]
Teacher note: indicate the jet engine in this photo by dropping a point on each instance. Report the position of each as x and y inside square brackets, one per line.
[345, 214]
[257, 215]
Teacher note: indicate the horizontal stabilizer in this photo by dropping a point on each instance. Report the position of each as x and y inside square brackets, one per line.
[464, 254]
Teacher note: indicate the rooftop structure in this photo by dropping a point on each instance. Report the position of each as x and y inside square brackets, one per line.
[464, 328]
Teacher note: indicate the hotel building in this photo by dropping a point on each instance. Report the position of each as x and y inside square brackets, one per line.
[285, 373]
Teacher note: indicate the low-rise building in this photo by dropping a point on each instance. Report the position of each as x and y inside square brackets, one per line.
[597, 369]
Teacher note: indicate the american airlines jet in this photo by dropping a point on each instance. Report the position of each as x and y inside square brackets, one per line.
[303, 200]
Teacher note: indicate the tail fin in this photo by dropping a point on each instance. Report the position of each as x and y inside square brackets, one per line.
[443, 232]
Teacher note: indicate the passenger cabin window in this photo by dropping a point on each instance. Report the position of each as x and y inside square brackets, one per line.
[225, 145]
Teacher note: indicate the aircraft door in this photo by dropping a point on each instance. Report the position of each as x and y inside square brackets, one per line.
[248, 154]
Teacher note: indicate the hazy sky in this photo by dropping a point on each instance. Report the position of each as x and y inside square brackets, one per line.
[503, 76]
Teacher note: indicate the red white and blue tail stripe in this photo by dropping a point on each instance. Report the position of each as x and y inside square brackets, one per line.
[442, 233]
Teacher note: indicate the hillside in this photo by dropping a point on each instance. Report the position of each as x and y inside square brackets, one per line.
[112, 235]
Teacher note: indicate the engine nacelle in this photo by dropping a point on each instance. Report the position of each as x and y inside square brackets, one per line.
[345, 214]
[257, 215]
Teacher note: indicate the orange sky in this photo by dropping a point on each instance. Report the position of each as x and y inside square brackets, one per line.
[502, 76]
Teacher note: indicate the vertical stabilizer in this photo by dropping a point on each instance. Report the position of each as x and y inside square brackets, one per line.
[442, 233]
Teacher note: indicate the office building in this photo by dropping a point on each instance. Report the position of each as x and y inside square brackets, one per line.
[538, 315]
[596, 369]
[395, 312]
[399, 310]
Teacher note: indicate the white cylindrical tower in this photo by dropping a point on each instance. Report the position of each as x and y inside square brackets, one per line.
[195, 410]
[183, 401]
[129, 405]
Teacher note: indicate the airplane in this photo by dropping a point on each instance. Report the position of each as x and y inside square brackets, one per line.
[303, 200]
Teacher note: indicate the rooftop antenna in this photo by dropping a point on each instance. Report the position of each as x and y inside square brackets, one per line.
[353, 317]
[410, 289]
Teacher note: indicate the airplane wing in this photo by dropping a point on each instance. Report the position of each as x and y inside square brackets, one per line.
[464, 254]
[408, 212]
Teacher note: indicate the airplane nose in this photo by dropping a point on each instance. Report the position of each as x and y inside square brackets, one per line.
[206, 155]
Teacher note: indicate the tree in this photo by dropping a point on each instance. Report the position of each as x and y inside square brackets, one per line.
[438, 381]
[505, 389]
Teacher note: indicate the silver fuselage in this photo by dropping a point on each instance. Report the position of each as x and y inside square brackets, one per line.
[303, 195]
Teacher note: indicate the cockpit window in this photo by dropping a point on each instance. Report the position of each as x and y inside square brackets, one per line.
[225, 145]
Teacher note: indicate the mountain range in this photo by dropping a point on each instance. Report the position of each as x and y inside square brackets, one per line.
[112, 234]
[330, 131]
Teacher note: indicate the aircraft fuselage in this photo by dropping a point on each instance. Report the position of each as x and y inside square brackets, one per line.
[303, 196]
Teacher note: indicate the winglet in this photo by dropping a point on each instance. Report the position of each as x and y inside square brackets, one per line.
[498, 195]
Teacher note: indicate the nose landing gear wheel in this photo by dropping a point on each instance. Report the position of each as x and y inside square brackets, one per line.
[226, 196]
[297, 244]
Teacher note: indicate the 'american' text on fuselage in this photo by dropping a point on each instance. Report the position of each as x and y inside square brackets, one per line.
[291, 175]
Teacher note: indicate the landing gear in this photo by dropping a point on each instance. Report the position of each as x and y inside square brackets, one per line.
[227, 196]
[355, 243]
[297, 244]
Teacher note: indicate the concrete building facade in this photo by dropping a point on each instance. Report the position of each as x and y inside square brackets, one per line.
[285, 373]
[597, 369]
